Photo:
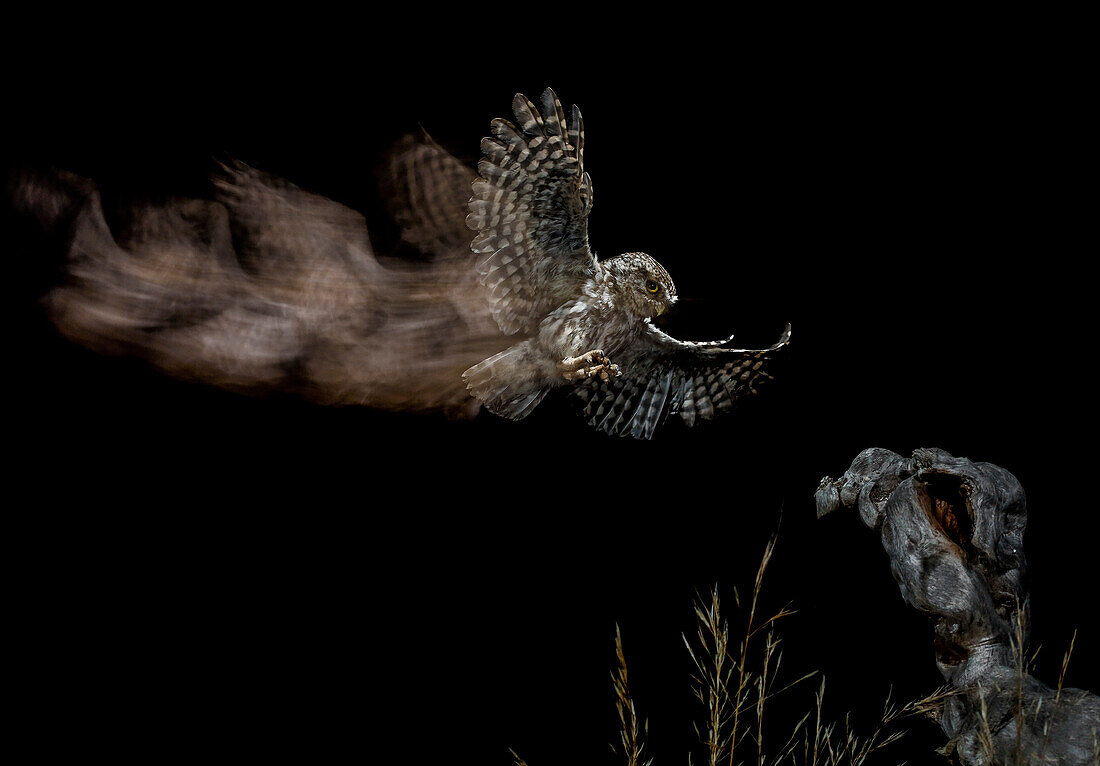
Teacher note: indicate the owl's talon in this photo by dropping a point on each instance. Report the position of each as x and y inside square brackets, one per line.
[587, 365]
[609, 371]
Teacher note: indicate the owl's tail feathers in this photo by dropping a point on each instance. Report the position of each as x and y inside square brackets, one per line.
[509, 384]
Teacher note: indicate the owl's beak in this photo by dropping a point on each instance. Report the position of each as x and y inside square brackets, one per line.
[660, 310]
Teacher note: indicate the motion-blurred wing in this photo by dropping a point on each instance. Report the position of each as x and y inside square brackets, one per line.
[270, 287]
[427, 192]
[298, 246]
[530, 209]
[663, 376]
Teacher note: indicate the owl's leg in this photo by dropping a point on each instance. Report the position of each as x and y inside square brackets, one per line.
[586, 365]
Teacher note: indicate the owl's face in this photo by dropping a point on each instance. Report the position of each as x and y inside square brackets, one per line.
[644, 288]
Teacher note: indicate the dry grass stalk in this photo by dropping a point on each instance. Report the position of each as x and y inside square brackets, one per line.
[633, 740]
[735, 697]
[732, 693]
[1057, 699]
[985, 733]
[1019, 651]
[829, 746]
[1065, 666]
[710, 682]
[723, 681]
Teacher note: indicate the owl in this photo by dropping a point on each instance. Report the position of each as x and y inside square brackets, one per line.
[585, 323]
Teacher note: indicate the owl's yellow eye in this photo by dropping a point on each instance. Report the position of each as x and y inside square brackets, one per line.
[651, 286]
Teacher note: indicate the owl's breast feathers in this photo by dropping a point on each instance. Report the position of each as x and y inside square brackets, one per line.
[592, 320]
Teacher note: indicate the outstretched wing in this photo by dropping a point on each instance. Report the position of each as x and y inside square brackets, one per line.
[530, 209]
[663, 376]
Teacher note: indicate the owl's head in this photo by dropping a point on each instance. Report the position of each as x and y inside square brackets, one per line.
[644, 287]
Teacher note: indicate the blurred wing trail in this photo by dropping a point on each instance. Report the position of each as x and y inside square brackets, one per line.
[427, 192]
[270, 287]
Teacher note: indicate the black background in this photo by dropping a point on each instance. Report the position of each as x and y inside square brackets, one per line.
[204, 572]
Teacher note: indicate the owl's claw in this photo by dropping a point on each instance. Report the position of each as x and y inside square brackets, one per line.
[586, 365]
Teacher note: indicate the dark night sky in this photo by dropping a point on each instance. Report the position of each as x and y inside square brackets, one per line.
[208, 572]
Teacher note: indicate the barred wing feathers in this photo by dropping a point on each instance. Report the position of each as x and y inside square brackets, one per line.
[530, 208]
[663, 376]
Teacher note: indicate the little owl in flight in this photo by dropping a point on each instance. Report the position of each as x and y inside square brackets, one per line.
[587, 323]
